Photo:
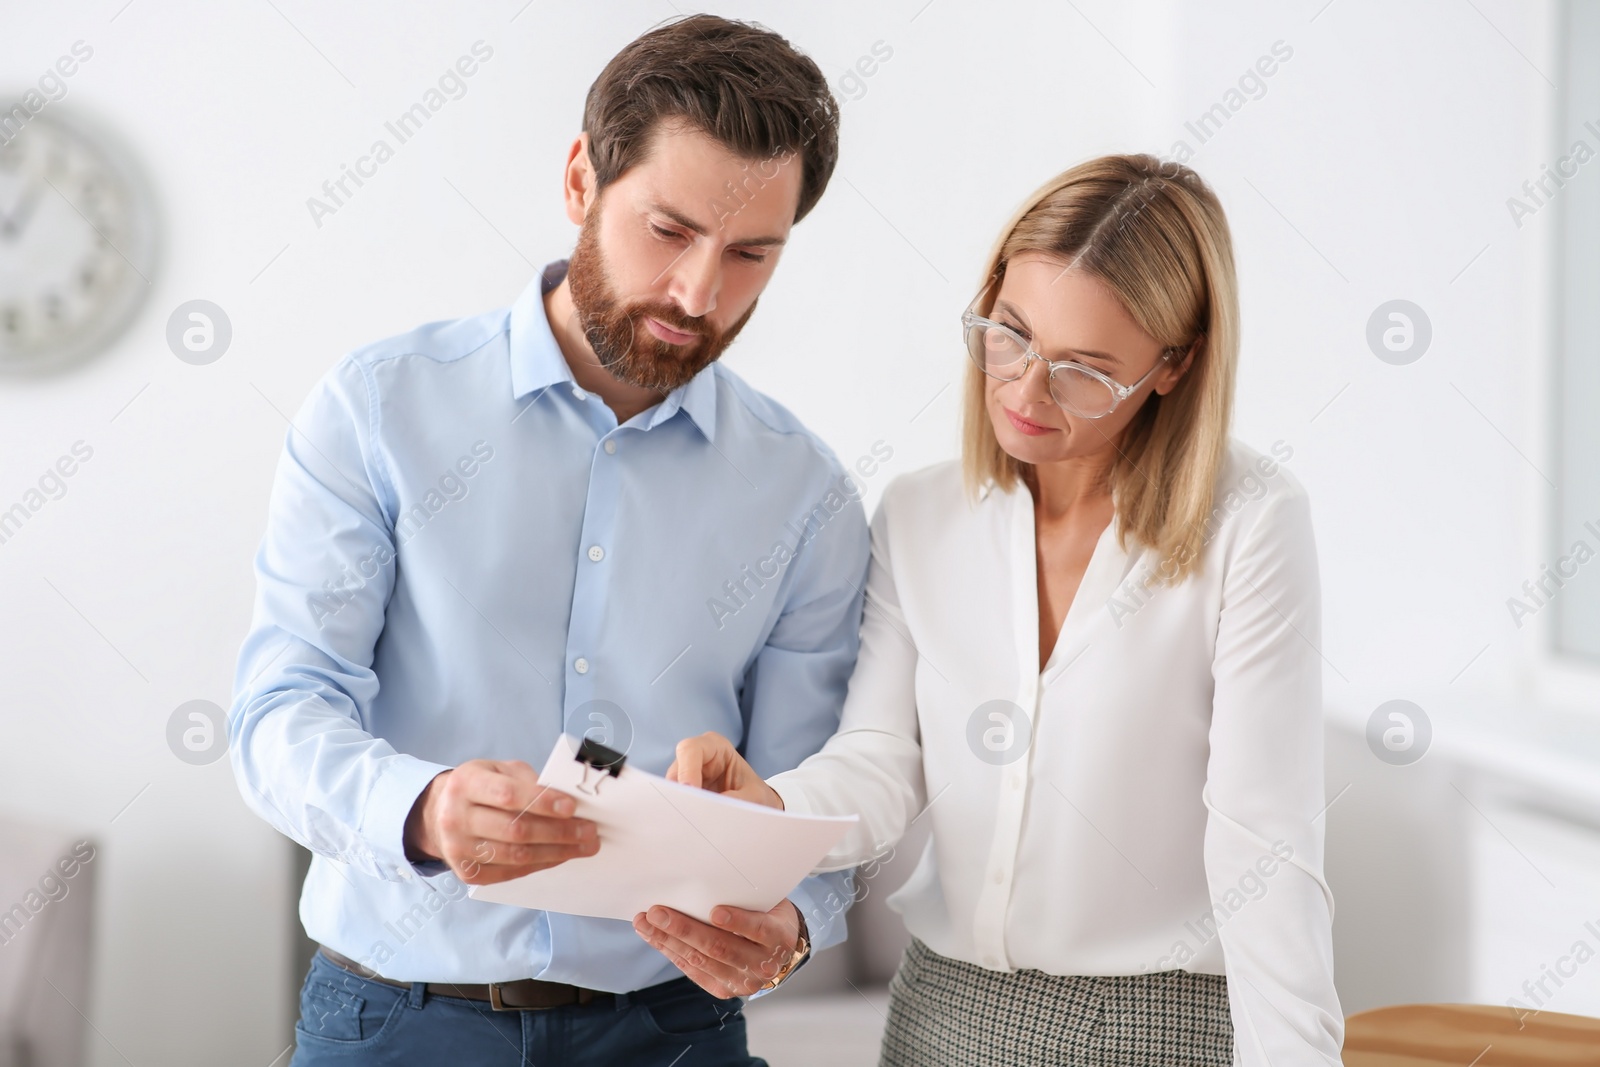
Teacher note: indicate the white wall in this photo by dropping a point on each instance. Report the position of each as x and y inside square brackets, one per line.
[1375, 166]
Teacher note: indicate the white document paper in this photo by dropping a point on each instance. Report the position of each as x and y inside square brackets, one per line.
[667, 843]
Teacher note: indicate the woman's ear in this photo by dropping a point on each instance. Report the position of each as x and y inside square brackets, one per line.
[1170, 380]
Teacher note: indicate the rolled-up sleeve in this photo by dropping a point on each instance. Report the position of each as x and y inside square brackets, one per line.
[299, 727]
[1264, 794]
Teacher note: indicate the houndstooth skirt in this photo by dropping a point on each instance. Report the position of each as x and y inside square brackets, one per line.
[947, 1013]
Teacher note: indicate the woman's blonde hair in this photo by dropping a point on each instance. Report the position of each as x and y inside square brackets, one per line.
[1155, 235]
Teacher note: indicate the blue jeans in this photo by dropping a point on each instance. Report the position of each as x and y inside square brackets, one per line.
[348, 1020]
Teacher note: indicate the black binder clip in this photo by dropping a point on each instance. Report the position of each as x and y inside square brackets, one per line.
[599, 761]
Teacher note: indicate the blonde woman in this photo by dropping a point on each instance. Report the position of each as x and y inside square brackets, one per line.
[1089, 661]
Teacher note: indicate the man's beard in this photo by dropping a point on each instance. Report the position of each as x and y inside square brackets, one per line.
[624, 344]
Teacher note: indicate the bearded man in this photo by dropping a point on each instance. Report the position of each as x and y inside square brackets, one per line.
[561, 516]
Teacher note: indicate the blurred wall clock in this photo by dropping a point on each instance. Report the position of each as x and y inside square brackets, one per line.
[78, 238]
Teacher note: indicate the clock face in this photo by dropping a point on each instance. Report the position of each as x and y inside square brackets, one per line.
[77, 241]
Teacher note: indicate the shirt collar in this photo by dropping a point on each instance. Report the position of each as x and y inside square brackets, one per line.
[537, 362]
[536, 359]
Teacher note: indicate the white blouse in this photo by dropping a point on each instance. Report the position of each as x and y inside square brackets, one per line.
[1152, 801]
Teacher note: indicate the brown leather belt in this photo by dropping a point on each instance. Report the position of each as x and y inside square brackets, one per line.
[525, 994]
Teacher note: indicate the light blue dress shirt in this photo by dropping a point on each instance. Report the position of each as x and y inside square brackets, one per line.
[466, 555]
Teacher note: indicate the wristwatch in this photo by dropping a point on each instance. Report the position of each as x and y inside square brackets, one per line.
[802, 951]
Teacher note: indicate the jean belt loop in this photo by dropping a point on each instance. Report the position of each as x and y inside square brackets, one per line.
[622, 1001]
[418, 994]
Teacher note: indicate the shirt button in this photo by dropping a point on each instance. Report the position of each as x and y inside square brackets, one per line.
[580, 665]
[1016, 781]
[999, 877]
[579, 393]
[991, 961]
[596, 553]
[611, 447]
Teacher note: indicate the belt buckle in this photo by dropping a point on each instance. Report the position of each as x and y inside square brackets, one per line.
[494, 999]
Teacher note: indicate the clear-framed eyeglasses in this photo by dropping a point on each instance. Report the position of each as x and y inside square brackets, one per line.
[1003, 354]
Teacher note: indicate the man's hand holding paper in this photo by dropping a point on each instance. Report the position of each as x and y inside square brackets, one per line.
[492, 820]
[735, 954]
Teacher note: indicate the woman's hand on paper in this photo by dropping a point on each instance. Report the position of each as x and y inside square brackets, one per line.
[491, 821]
[711, 762]
[738, 955]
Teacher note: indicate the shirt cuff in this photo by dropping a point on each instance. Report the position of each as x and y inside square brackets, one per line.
[790, 792]
[823, 900]
[389, 804]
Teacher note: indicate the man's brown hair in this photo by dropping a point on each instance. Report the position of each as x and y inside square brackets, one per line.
[739, 83]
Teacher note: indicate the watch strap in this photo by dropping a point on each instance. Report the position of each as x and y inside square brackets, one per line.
[801, 953]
